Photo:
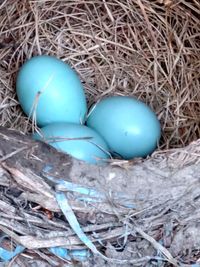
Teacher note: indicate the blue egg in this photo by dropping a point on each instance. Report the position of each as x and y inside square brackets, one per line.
[50, 89]
[130, 128]
[76, 140]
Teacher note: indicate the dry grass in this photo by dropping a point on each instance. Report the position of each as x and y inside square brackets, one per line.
[147, 49]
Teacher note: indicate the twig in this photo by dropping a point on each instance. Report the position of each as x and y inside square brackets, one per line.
[13, 153]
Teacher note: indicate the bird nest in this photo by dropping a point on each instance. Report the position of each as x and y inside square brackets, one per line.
[57, 211]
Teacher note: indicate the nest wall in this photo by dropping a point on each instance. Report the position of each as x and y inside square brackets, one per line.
[146, 49]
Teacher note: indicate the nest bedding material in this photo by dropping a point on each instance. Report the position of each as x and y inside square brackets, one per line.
[146, 49]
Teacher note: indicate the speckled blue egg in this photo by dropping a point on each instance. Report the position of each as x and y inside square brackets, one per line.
[50, 89]
[130, 128]
[76, 140]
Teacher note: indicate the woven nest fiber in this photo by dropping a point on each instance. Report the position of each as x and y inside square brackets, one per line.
[146, 49]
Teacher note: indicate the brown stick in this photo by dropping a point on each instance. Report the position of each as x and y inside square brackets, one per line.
[164, 190]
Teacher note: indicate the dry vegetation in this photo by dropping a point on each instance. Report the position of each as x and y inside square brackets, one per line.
[147, 49]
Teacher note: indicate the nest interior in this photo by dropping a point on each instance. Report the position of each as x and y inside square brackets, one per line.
[146, 49]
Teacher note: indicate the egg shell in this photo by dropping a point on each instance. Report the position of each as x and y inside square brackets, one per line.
[92, 150]
[130, 128]
[51, 88]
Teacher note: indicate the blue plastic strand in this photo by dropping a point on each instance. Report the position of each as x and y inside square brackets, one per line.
[97, 196]
[7, 255]
[79, 255]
